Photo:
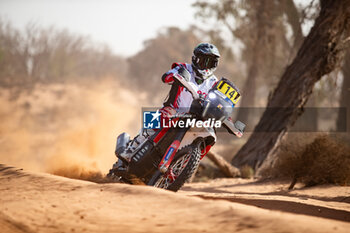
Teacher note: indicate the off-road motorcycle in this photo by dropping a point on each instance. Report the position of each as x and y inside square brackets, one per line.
[169, 157]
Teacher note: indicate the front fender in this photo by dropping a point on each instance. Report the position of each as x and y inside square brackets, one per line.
[194, 133]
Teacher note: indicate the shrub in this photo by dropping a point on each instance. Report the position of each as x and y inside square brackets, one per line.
[325, 160]
[247, 172]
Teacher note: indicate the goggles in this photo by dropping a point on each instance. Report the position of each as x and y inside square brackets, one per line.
[206, 62]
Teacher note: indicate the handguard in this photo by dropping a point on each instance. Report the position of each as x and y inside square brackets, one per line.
[236, 128]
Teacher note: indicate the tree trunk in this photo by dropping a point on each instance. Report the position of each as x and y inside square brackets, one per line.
[225, 167]
[344, 124]
[308, 121]
[293, 18]
[249, 88]
[248, 92]
[317, 56]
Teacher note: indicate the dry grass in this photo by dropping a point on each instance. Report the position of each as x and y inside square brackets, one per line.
[247, 172]
[325, 160]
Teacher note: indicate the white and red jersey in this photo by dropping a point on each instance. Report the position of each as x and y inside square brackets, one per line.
[179, 98]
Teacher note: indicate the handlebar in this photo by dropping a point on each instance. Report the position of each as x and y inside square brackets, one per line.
[183, 76]
[236, 128]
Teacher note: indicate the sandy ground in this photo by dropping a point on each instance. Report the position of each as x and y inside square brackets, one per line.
[39, 202]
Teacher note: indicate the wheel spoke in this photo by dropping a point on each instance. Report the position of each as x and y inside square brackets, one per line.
[174, 171]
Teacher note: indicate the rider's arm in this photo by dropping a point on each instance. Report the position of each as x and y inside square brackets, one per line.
[168, 77]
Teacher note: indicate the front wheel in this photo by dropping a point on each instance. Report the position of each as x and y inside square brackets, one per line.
[181, 169]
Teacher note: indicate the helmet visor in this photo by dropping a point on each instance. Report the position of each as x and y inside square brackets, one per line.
[206, 62]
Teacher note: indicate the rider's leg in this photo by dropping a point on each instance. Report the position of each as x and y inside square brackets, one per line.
[144, 134]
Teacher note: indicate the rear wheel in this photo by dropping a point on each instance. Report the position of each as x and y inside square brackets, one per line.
[180, 170]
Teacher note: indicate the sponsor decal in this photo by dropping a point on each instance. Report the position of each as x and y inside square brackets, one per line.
[167, 156]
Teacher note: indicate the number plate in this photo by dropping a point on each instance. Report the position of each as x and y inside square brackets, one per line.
[229, 91]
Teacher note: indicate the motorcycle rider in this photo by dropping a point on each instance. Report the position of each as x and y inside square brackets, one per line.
[205, 60]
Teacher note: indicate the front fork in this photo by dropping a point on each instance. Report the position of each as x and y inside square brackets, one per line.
[171, 151]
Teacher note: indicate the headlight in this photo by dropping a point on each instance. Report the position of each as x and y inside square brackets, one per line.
[212, 95]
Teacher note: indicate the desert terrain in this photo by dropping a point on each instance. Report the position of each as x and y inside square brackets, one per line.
[65, 97]
[40, 202]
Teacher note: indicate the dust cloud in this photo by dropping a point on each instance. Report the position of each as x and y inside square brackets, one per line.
[66, 129]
